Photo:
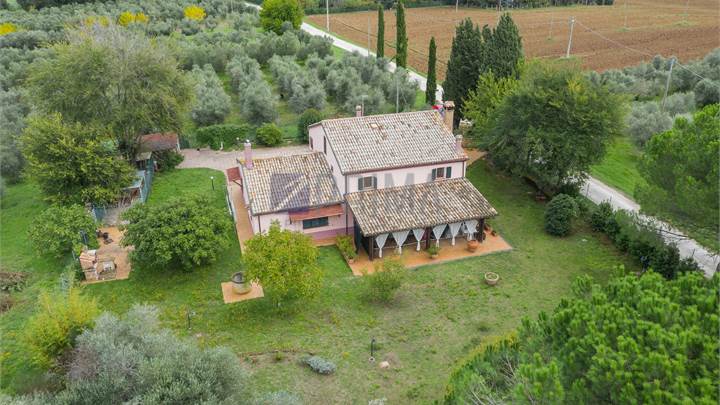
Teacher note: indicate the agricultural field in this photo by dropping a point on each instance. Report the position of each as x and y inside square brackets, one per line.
[649, 27]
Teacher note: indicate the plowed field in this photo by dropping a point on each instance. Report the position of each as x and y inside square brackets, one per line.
[601, 39]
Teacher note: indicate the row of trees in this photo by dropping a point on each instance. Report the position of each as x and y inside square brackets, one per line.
[636, 340]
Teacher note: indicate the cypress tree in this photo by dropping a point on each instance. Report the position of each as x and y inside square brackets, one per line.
[504, 50]
[431, 87]
[381, 32]
[464, 65]
[401, 41]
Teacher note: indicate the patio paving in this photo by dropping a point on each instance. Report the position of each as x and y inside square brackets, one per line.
[412, 258]
[230, 296]
[112, 251]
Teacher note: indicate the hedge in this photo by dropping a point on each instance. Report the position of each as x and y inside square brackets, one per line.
[225, 134]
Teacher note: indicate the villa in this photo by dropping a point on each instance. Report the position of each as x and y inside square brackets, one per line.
[389, 180]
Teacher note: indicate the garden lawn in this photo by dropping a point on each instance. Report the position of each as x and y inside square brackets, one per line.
[618, 168]
[441, 312]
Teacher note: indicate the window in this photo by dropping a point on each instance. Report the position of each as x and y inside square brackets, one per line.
[367, 183]
[315, 222]
[442, 173]
[311, 144]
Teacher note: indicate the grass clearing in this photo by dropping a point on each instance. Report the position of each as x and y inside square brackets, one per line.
[618, 168]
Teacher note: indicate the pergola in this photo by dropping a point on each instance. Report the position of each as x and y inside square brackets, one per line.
[410, 214]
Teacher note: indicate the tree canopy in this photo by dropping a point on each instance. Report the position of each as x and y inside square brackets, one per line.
[212, 104]
[59, 230]
[114, 77]
[380, 53]
[285, 263]
[74, 163]
[636, 340]
[431, 87]
[275, 12]
[183, 232]
[553, 126]
[401, 39]
[680, 168]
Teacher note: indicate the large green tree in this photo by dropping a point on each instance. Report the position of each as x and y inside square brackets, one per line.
[504, 48]
[637, 340]
[553, 126]
[275, 12]
[285, 263]
[464, 66]
[74, 163]
[401, 39]
[681, 170]
[183, 232]
[431, 87]
[380, 53]
[62, 229]
[113, 77]
[482, 101]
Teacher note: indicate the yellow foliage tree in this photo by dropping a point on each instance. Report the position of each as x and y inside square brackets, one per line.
[101, 20]
[7, 28]
[126, 18]
[196, 13]
[59, 320]
[141, 18]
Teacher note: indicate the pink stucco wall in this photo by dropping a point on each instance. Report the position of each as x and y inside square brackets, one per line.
[336, 224]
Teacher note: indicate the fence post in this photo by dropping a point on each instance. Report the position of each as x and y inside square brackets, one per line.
[572, 26]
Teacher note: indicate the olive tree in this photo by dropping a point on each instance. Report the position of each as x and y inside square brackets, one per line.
[212, 104]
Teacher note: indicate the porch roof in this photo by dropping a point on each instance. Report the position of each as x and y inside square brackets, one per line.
[418, 206]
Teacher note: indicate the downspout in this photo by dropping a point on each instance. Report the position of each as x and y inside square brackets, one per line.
[259, 227]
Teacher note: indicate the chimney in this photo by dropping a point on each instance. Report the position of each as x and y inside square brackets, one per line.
[248, 154]
[358, 111]
[449, 115]
[458, 144]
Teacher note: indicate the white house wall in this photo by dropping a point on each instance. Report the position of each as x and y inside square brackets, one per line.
[405, 176]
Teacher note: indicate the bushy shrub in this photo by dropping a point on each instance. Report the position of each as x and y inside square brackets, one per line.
[559, 214]
[646, 120]
[269, 135]
[58, 230]
[168, 159]
[307, 118]
[183, 233]
[382, 285]
[222, 134]
[135, 359]
[601, 216]
[320, 365]
[212, 104]
[60, 319]
[258, 104]
[346, 246]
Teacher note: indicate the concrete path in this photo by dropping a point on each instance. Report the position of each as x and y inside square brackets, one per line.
[598, 192]
[594, 189]
[221, 160]
[350, 47]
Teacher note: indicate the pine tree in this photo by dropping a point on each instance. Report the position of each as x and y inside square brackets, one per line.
[431, 87]
[401, 41]
[381, 32]
[504, 50]
[464, 66]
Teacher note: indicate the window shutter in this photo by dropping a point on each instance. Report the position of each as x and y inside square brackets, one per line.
[448, 172]
[360, 184]
[433, 174]
[374, 182]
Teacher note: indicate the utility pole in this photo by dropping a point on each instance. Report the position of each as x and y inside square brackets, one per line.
[552, 20]
[456, 5]
[667, 84]
[368, 46]
[327, 15]
[572, 26]
[397, 94]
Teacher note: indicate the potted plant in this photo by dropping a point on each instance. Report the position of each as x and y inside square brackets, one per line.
[239, 284]
[472, 245]
[346, 247]
[491, 278]
[433, 251]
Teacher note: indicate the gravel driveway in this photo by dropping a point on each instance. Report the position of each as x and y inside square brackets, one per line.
[221, 160]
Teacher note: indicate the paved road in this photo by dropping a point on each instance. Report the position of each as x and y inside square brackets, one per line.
[595, 190]
[598, 192]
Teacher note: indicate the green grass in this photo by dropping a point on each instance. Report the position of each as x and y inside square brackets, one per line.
[441, 313]
[618, 168]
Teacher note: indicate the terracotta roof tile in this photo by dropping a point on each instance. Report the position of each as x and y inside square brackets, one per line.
[159, 141]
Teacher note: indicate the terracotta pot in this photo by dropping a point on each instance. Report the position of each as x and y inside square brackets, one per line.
[491, 278]
[239, 284]
[472, 245]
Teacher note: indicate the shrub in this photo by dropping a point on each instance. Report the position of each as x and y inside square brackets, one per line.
[52, 331]
[385, 281]
[135, 360]
[269, 135]
[182, 232]
[320, 365]
[168, 159]
[559, 215]
[12, 281]
[345, 244]
[309, 117]
[58, 230]
[275, 12]
[225, 134]
[600, 217]
[195, 13]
